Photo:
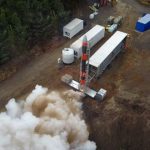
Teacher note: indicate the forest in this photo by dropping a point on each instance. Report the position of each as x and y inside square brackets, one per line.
[24, 23]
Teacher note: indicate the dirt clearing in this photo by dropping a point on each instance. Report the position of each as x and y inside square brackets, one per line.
[122, 120]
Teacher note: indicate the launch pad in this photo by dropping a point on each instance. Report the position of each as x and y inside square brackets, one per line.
[89, 92]
[83, 84]
[74, 84]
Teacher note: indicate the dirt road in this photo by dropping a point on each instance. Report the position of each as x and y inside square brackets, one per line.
[42, 70]
[120, 122]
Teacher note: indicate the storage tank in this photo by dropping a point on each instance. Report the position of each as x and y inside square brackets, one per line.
[68, 55]
[91, 16]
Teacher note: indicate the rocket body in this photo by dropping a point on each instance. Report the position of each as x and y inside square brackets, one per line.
[83, 67]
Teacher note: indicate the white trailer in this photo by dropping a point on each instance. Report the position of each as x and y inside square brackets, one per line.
[106, 53]
[72, 28]
[93, 37]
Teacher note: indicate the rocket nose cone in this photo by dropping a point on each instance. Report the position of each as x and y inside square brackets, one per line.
[85, 38]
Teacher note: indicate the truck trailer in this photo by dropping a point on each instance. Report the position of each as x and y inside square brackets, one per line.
[99, 61]
[93, 37]
[72, 28]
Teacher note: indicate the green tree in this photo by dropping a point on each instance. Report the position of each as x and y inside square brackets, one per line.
[24, 23]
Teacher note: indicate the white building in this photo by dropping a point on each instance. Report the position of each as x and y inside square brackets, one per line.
[93, 37]
[72, 28]
[107, 52]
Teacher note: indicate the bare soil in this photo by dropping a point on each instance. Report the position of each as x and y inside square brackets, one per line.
[122, 120]
[145, 2]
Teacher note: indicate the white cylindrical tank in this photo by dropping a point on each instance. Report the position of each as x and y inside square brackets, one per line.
[91, 16]
[68, 55]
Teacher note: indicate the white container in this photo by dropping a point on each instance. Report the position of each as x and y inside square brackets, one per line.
[107, 52]
[68, 55]
[112, 28]
[72, 28]
[93, 37]
[100, 95]
[118, 20]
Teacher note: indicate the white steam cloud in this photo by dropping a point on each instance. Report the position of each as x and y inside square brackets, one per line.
[45, 121]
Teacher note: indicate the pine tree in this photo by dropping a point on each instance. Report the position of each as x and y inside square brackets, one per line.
[24, 23]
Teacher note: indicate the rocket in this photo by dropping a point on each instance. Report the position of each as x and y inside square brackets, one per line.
[83, 67]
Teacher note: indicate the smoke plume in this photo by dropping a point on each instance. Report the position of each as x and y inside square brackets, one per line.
[45, 121]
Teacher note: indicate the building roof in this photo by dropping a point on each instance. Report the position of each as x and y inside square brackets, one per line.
[73, 23]
[90, 34]
[102, 53]
[145, 19]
